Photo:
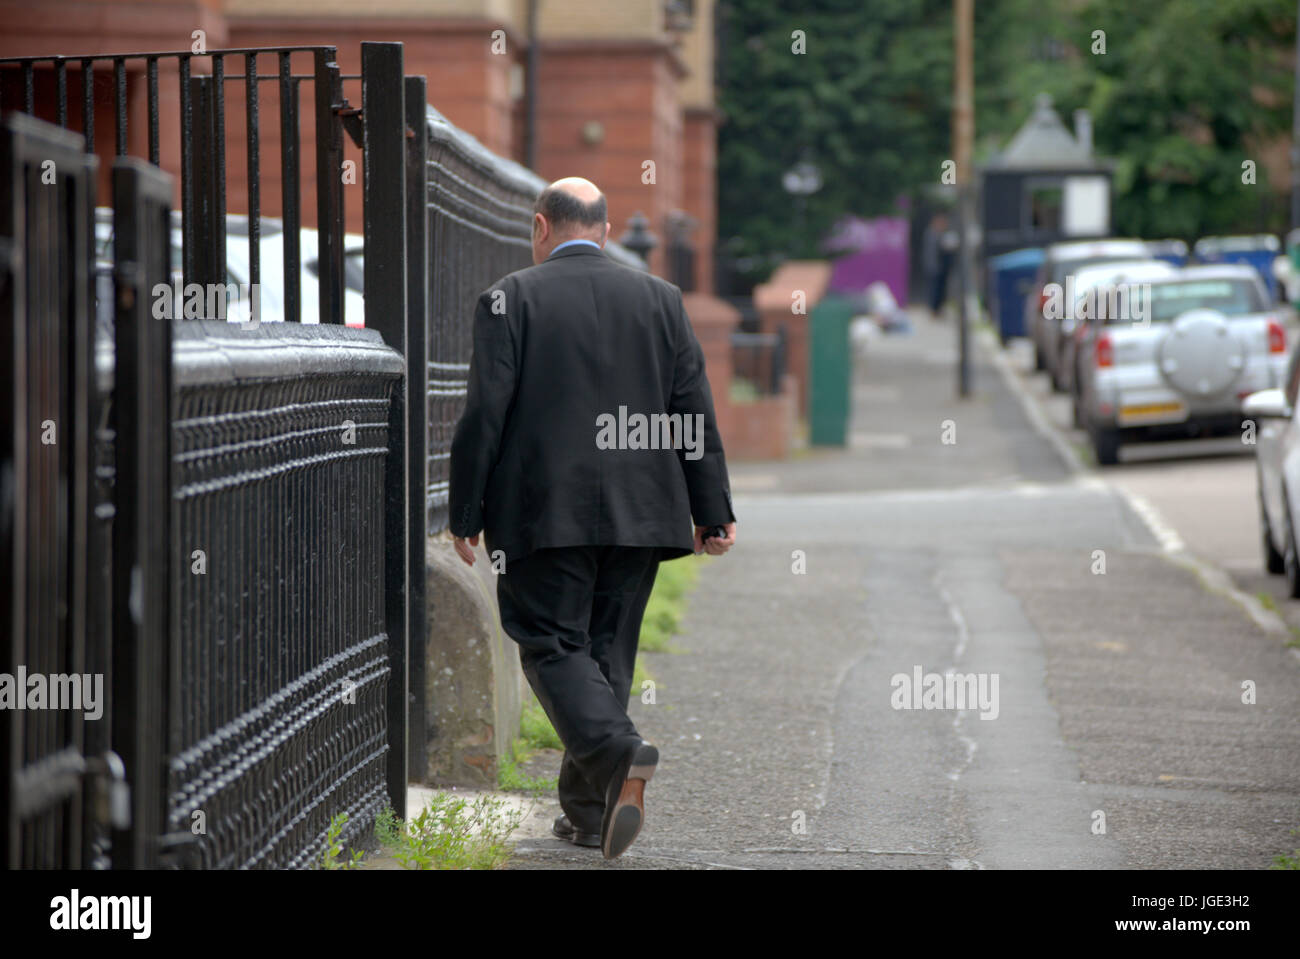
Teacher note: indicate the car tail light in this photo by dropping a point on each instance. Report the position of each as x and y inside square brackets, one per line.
[1105, 351]
[1042, 300]
[1276, 337]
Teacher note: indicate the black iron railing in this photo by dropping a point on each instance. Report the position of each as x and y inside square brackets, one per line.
[237, 540]
[759, 359]
[284, 664]
[244, 532]
[49, 609]
[49, 87]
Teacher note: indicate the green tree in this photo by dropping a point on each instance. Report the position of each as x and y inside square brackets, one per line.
[1185, 93]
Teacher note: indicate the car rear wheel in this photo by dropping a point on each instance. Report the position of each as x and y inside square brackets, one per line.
[1105, 446]
[1291, 563]
[1274, 561]
[1040, 364]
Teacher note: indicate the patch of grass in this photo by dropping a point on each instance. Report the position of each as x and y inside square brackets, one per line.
[513, 779]
[451, 832]
[663, 613]
[388, 828]
[1266, 600]
[640, 676]
[1287, 862]
[535, 729]
[333, 848]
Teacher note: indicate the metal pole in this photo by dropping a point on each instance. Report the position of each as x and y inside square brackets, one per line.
[963, 135]
[530, 90]
[1295, 133]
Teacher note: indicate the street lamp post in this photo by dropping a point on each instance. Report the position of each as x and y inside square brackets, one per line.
[963, 136]
[801, 181]
[1295, 136]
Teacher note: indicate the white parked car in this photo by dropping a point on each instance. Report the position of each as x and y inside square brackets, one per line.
[1087, 283]
[271, 257]
[1208, 338]
[1060, 261]
[1277, 467]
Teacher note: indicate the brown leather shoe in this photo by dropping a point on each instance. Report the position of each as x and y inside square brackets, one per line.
[563, 828]
[625, 799]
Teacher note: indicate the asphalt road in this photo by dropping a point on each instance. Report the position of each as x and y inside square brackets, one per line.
[1202, 492]
[1117, 737]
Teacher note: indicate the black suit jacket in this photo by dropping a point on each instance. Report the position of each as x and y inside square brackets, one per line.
[559, 348]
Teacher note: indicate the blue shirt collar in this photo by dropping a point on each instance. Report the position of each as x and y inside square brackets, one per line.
[570, 243]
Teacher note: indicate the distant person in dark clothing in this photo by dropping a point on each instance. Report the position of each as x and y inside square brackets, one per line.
[938, 249]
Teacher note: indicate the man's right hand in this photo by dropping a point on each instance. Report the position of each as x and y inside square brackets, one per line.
[715, 546]
[465, 550]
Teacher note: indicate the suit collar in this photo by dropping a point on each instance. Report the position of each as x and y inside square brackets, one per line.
[578, 249]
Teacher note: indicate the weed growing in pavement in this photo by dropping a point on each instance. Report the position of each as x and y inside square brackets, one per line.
[1287, 862]
[514, 779]
[333, 848]
[535, 729]
[452, 832]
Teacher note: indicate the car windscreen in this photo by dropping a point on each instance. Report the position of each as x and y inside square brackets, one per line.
[1067, 267]
[1231, 297]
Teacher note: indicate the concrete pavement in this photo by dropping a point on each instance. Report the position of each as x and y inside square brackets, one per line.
[1119, 740]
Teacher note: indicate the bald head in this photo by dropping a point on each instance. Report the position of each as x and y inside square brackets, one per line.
[568, 209]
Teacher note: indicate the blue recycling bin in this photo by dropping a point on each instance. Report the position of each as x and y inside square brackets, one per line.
[1011, 277]
[1171, 251]
[1257, 251]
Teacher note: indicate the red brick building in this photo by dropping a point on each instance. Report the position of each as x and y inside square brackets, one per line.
[623, 88]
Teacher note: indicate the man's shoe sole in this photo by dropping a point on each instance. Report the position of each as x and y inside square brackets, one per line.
[629, 809]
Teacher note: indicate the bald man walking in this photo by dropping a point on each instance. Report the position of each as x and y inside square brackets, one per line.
[587, 449]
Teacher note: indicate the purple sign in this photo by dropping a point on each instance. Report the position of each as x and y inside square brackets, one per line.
[874, 250]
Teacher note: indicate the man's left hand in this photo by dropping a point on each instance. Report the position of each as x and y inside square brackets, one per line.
[465, 548]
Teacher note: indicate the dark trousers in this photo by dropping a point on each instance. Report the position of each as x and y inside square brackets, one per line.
[939, 282]
[576, 614]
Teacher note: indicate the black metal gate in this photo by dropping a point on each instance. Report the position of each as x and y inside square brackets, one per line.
[45, 610]
[220, 532]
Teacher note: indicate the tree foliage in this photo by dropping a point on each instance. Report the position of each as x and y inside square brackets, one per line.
[1186, 90]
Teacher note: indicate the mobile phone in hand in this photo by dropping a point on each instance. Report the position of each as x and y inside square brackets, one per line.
[714, 532]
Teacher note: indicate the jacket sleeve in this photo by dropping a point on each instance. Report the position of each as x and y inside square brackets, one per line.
[705, 467]
[493, 376]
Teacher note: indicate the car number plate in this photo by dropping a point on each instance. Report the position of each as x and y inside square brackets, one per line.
[1152, 413]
